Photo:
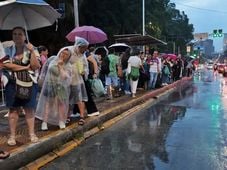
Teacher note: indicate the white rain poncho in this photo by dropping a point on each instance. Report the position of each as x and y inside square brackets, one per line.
[79, 69]
[54, 97]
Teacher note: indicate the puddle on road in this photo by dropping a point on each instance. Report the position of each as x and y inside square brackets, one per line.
[130, 144]
[183, 134]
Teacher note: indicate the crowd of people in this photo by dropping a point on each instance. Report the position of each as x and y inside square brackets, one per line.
[54, 88]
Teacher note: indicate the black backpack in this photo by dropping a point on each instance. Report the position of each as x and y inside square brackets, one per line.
[105, 66]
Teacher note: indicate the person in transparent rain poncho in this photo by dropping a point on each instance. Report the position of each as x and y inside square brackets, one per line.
[78, 92]
[54, 97]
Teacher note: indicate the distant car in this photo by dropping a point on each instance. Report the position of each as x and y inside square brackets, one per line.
[210, 65]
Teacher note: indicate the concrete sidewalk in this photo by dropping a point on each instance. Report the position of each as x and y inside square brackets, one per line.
[26, 152]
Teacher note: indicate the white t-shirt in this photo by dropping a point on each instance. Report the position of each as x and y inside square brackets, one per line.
[154, 65]
[134, 61]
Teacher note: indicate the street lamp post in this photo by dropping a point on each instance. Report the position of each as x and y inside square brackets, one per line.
[76, 15]
[143, 13]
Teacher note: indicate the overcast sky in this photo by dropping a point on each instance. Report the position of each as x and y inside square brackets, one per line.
[206, 15]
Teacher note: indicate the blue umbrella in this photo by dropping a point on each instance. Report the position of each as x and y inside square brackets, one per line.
[31, 14]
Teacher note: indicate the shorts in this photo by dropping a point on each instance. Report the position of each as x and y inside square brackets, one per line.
[111, 80]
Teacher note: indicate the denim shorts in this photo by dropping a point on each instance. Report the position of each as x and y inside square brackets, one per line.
[111, 80]
[12, 101]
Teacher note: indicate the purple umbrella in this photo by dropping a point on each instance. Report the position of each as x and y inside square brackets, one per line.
[92, 34]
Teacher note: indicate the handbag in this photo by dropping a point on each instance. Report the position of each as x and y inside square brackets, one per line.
[166, 70]
[97, 87]
[134, 74]
[24, 85]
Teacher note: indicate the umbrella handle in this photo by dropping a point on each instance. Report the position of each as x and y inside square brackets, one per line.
[26, 33]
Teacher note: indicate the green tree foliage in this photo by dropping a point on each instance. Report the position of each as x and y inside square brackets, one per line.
[114, 17]
[162, 20]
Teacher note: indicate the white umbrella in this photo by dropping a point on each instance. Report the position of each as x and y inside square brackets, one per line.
[119, 47]
[101, 50]
[30, 14]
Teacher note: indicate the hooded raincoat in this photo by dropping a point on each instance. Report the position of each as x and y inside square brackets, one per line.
[54, 96]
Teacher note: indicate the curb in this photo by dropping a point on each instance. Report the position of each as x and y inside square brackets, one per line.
[50, 145]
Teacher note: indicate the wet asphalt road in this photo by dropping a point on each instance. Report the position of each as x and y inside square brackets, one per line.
[187, 131]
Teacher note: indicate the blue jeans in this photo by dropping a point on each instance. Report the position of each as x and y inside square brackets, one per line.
[165, 78]
[153, 79]
[125, 82]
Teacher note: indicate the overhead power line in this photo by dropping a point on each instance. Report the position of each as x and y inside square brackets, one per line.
[203, 9]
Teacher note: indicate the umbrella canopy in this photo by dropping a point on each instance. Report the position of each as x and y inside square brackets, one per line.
[92, 34]
[170, 56]
[31, 14]
[119, 47]
[103, 51]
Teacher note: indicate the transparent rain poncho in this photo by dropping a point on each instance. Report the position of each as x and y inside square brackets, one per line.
[54, 97]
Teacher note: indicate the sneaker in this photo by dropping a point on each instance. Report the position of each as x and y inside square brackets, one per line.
[44, 126]
[93, 114]
[75, 115]
[163, 84]
[34, 138]
[61, 125]
[127, 92]
[11, 141]
[133, 95]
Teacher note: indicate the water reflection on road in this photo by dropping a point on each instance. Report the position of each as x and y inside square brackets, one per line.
[187, 131]
[131, 144]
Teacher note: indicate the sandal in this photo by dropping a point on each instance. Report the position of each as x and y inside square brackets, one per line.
[4, 154]
[81, 121]
[11, 141]
[68, 120]
[34, 138]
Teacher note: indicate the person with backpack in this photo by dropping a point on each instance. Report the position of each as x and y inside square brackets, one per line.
[111, 78]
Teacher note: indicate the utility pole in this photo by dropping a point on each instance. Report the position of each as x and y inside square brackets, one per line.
[76, 14]
[143, 14]
[174, 47]
[143, 11]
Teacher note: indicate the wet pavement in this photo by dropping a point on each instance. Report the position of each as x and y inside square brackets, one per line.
[22, 132]
[186, 131]
[25, 152]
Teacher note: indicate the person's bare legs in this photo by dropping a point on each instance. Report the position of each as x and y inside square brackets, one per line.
[30, 119]
[13, 118]
[81, 106]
